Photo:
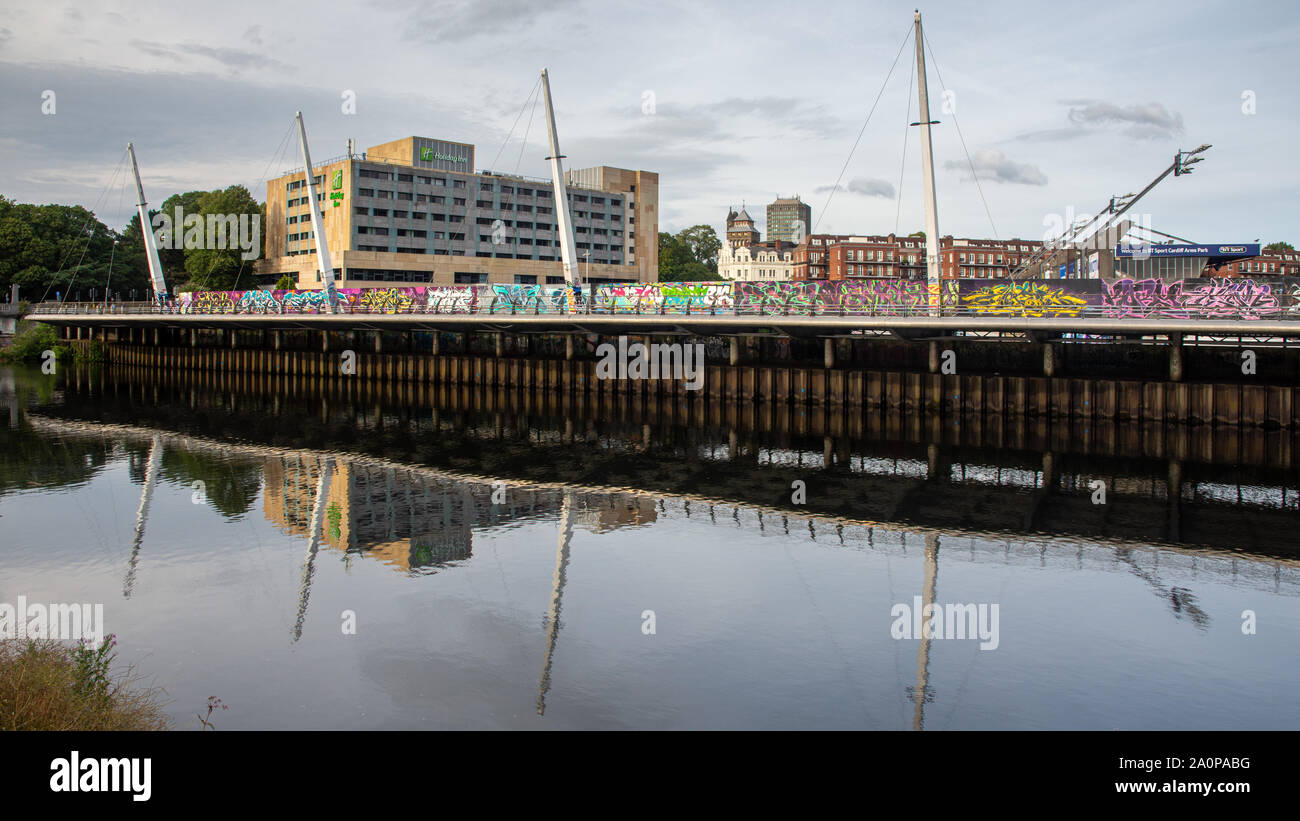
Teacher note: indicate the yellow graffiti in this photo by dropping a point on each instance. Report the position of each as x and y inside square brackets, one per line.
[388, 300]
[1025, 299]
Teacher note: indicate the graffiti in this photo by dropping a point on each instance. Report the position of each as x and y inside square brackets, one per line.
[1184, 299]
[382, 300]
[884, 297]
[664, 298]
[453, 300]
[1025, 299]
[258, 302]
[209, 302]
[1218, 298]
[878, 297]
[302, 301]
[533, 299]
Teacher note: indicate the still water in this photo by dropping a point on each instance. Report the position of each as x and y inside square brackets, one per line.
[518, 561]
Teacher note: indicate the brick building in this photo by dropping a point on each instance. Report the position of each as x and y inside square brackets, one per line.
[838, 257]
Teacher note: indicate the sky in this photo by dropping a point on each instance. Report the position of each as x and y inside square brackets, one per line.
[1055, 107]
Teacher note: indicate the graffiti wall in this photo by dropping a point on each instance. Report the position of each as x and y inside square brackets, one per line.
[664, 297]
[1210, 298]
[877, 297]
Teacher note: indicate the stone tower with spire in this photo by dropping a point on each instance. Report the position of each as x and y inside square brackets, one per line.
[740, 229]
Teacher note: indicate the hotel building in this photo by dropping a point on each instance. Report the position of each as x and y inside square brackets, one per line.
[415, 211]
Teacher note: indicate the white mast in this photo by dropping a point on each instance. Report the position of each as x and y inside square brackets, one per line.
[317, 225]
[146, 228]
[927, 176]
[564, 223]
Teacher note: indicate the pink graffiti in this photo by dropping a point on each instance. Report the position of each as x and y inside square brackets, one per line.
[1217, 299]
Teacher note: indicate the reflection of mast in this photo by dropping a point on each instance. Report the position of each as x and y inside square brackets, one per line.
[313, 543]
[923, 652]
[553, 628]
[142, 515]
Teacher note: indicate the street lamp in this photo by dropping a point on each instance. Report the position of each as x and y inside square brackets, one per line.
[1181, 159]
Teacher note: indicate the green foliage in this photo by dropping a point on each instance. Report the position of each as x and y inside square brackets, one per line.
[48, 249]
[1279, 246]
[91, 664]
[213, 269]
[285, 283]
[64, 249]
[92, 351]
[691, 255]
[45, 685]
[32, 340]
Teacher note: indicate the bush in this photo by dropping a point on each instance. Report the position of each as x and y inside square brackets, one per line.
[45, 685]
[31, 341]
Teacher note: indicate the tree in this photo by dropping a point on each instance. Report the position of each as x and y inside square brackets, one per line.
[285, 283]
[703, 243]
[54, 249]
[691, 255]
[221, 269]
[1278, 247]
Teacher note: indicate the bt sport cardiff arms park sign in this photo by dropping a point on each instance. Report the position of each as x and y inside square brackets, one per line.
[1246, 250]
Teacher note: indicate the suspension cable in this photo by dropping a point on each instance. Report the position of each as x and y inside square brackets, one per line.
[831, 194]
[969, 161]
[907, 131]
[90, 216]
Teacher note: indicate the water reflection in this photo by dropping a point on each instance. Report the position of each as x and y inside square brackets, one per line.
[408, 483]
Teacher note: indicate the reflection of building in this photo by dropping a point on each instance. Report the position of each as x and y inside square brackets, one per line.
[410, 520]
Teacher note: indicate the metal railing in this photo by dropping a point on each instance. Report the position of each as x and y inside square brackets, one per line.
[469, 306]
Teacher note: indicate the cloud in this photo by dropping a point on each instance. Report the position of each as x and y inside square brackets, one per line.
[862, 185]
[233, 58]
[993, 165]
[1145, 120]
[455, 21]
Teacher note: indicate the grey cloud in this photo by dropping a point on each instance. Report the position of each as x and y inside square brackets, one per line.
[871, 188]
[1050, 135]
[444, 21]
[993, 165]
[711, 120]
[1145, 120]
[234, 58]
[862, 185]
[191, 131]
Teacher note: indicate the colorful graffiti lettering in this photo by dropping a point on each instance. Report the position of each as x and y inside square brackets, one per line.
[382, 300]
[1124, 298]
[1217, 299]
[258, 302]
[1024, 299]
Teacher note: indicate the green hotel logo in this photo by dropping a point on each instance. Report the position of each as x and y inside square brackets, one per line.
[338, 178]
[427, 154]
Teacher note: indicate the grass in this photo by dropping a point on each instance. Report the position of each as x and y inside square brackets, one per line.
[48, 685]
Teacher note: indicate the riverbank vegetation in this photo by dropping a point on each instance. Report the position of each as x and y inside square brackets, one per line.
[49, 685]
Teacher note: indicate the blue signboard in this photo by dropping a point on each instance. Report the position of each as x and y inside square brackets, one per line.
[1215, 250]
